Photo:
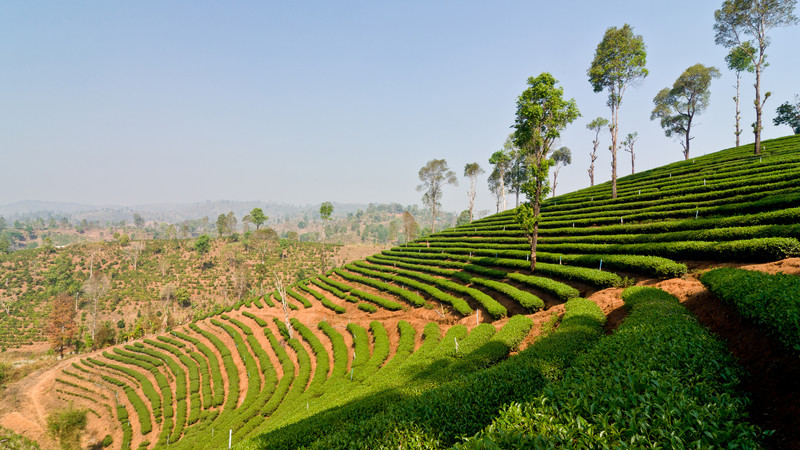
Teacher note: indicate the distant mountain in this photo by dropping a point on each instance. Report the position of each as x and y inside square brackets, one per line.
[166, 212]
[32, 207]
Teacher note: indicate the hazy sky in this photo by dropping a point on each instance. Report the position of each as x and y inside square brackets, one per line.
[303, 102]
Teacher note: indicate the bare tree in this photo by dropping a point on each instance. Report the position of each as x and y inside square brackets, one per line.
[410, 226]
[134, 252]
[94, 288]
[163, 266]
[472, 171]
[282, 293]
[561, 157]
[597, 125]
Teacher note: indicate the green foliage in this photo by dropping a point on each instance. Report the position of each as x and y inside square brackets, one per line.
[770, 300]
[257, 217]
[202, 244]
[325, 210]
[787, 113]
[660, 379]
[689, 96]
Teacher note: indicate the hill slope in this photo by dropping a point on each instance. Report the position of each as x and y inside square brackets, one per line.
[409, 347]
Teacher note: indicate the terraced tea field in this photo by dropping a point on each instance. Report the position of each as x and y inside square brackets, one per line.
[410, 347]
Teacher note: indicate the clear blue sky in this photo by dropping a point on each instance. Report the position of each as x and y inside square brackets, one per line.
[303, 102]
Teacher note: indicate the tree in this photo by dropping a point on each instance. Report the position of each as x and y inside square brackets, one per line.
[542, 113]
[501, 160]
[230, 222]
[627, 145]
[736, 20]
[61, 328]
[222, 225]
[434, 176]
[463, 218]
[410, 226]
[202, 244]
[789, 114]
[497, 188]
[597, 125]
[66, 426]
[258, 217]
[134, 253]
[619, 62]
[246, 221]
[94, 288]
[561, 157]
[325, 211]
[138, 221]
[688, 97]
[518, 172]
[472, 171]
[739, 61]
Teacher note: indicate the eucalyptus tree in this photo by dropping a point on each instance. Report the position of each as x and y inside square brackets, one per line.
[597, 125]
[542, 113]
[619, 62]
[501, 160]
[739, 61]
[497, 188]
[472, 171]
[435, 175]
[676, 107]
[627, 145]
[789, 114]
[561, 157]
[740, 21]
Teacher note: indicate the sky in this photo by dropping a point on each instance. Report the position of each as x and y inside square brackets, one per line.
[126, 103]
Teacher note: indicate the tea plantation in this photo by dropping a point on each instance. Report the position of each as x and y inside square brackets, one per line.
[261, 376]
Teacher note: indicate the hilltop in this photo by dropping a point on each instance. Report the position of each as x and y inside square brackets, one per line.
[451, 340]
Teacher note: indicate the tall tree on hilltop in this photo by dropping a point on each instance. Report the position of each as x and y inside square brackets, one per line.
[61, 328]
[738, 19]
[627, 145]
[497, 188]
[789, 114]
[434, 176]
[258, 217]
[501, 160]
[96, 287]
[517, 173]
[597, 125]
[542, 113]
[472, 171]
[689, 96]
[230, 222]
[222, 225]
[561, 157]
[619, 62]
[410, 226]
[739, 61]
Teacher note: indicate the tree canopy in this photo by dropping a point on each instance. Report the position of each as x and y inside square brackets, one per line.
[676, 107]
[257, 217]
[789, 114]
[325, 210]
[542, 113]
[738, 22]
[619, 62]
[434, 176]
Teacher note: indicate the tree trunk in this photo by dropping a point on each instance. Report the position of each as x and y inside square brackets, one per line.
[633, 157]
[757, 131]
[736, 99]
[433, 216]
[686, 149]
[537, 207]
[614, 128]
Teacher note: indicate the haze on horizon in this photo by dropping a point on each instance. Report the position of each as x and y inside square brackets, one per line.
[300, 103]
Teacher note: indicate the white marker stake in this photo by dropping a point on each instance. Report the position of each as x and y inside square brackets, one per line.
[230, 437]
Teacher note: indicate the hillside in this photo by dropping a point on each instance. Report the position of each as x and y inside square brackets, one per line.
[451, 340]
